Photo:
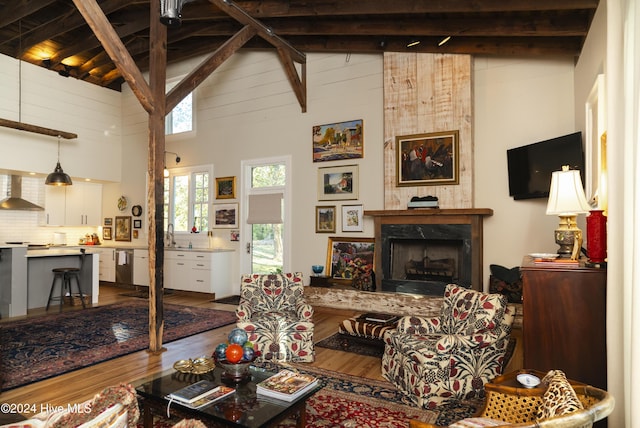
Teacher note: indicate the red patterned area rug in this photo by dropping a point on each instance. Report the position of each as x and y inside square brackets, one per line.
[349, 401]
[38, 348]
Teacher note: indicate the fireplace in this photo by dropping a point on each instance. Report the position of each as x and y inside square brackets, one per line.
[421, 251]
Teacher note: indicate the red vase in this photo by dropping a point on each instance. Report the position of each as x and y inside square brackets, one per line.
[597, 236]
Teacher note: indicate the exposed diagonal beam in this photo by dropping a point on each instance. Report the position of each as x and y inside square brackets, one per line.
[136, 22]
[286, 51]
[111, 43]
[299, 86]
[208, 66]
[265, 32]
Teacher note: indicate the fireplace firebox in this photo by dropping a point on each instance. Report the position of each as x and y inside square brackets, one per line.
[421, 251]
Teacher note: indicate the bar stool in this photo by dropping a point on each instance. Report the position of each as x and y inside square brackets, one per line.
[65, 274]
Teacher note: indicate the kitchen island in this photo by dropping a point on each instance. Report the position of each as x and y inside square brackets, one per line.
[26, 276]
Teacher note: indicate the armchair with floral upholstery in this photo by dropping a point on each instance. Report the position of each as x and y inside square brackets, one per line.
[451, 357]
[277, 318]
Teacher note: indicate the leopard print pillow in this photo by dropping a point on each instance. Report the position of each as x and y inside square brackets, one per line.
[559, 398]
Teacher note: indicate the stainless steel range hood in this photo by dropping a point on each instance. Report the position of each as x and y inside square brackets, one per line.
[14, 200]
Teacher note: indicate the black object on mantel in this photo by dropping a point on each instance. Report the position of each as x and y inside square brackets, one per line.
[423, 202]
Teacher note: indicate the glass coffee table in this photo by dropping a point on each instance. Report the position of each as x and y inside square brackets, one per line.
[243, 408]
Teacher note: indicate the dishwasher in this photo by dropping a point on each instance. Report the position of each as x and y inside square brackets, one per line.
[124, 266]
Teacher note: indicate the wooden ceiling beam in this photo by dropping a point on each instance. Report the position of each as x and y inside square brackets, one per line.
[299, 85]
[208, 66]
[237, 13]
[136, 23]
[112, 44]
[512, 26]
[287, 53]
[68, 23]
[21, 9]
[292, 8]
[20, 126]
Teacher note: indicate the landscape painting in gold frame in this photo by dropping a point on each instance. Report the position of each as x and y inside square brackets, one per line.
[226, 187]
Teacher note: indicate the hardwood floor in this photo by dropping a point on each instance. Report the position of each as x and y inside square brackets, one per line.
[81, 385]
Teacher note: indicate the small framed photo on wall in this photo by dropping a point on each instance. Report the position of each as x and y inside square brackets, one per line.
[326, 219]
[225, 188]
[225, 216]
[338, 183]
[352, 218]
[123, 228]
[106, 233]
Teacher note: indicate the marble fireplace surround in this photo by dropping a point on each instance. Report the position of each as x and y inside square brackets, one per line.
[404, 303]
[461, 226]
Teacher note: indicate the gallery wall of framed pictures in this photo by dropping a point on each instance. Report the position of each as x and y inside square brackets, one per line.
[335, 142]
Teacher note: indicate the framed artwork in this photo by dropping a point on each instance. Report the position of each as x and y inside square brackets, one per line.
[225, 187]
[337, 141]
[123, 228]
[338, 183]
[427, 159]
[326, 219]
[345, 255]
[135, 234]
[352, 218]
[225, 215]
[106, 233]
[234, 235]
[108, 221]
[137, 224]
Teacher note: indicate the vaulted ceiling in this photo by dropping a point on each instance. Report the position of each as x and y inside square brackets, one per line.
[53, 34]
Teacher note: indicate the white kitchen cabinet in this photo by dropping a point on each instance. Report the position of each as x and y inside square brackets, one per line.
[107, 264]
[54, 205]
[141, 267]
[83, 204]
[201, 271]
[77, 205]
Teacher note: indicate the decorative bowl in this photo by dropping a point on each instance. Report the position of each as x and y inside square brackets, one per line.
[235, 372]
[317, 269]
[528, 380]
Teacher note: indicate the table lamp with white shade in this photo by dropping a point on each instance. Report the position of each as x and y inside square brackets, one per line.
[567, 200]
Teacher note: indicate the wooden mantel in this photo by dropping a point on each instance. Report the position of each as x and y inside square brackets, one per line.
[467, 216]
[431, 212]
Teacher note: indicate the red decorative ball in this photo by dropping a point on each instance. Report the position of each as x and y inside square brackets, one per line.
[234, 353]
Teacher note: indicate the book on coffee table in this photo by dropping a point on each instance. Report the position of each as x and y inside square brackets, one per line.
[200, 394]
[286, 385]
[379, 318]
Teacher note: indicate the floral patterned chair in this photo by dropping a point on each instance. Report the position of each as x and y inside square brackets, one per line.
[451, 357]
[278, 320]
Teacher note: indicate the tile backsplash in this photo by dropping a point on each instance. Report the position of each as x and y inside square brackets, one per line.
[26, 226]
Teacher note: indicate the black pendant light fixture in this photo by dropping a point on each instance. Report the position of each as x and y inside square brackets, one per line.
[58, 176]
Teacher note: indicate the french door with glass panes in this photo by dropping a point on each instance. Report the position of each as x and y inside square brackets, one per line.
[265, 228]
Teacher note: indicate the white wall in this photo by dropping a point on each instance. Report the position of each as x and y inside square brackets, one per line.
[516, 102]
[65, 104]
[247, 110]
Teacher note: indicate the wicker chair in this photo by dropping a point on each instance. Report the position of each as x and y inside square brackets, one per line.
[278, 320]
[517, 406]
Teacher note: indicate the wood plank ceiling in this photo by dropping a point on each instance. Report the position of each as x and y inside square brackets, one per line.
[53, 34]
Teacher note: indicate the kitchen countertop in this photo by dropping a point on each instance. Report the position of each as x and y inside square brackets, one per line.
[57, 251]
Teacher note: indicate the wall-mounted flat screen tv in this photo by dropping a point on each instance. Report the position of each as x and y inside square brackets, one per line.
[530, 166]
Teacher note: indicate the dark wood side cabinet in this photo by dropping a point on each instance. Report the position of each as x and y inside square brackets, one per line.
[564, 321]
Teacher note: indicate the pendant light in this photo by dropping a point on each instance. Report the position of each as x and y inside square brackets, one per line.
[58, 176]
